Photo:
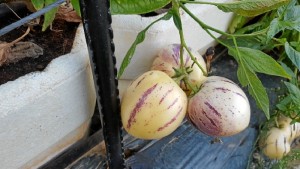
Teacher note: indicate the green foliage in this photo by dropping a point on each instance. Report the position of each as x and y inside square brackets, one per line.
[288, 18]
[252, 61]
[136, 6]
[251, 7]
[238, 21]
[293, 55]
[247, 77]
[139, 39]
[50, 15]
[260, 62]
[282, 37]
[247, 8]
[76, 6]
[294, 92]
[38, 4]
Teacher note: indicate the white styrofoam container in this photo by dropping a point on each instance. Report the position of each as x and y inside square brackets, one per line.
[43, 113]
[126, 28]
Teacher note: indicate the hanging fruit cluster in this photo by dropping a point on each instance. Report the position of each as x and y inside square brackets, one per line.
[155, 104]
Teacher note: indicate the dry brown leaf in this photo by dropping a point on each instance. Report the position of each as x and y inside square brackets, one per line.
[15, 50]
[18, 51]
[67, 13]
[22, 50]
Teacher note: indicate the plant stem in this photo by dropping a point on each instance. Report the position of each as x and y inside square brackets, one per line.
[181, 48]
[177, 19]
[263, 31]
[238, 51]
[189, 85]
[182, 42]
[194, 58]
[205, 27]
[199, 2]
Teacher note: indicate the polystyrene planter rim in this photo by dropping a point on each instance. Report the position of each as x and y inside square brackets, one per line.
[34, 84]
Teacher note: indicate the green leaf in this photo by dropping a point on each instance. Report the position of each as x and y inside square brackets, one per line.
[76, 6]
[251, 7]
[139, 39]
[283, 104]
[294, 79]
[49, 16]
[255, 88]
[293, 55]
[289, 18]
[258, 26]
[237, 22]
[295, 45]
[275, 27]
[136, 6]
[260, 62]
[287, 69]
[282, 10]
[292, 13]
[294, 92]
[249, 78]
[249, 42]
[38, 4]
[291, 24]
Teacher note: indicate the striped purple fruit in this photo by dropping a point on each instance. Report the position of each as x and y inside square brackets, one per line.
[168, 58]
[153, 106]
[220, 108]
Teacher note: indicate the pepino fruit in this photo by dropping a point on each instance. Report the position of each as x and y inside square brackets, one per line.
[220, 108]
[168, 59]
[153, 106]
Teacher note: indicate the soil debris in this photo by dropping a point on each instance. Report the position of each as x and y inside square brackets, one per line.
[15, 50]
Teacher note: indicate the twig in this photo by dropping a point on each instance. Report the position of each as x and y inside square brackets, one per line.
[12, 10]
[17, 40]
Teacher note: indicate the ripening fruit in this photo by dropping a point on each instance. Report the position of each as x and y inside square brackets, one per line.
[277, 142]
[153, 106]
[168, 58]
[220, 108]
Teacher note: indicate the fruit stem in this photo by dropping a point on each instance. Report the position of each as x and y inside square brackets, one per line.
[194, 58]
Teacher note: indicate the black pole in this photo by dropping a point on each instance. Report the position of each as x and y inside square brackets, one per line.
[97, 26]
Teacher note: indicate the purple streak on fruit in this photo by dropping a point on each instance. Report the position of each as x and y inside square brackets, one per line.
[138, 106]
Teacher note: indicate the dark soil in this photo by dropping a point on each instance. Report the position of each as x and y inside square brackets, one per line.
[54, 43]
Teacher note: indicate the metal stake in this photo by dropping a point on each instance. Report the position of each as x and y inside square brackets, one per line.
[97, 26]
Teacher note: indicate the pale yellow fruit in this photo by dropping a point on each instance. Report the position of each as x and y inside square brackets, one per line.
[276, 144]
[153, 106]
